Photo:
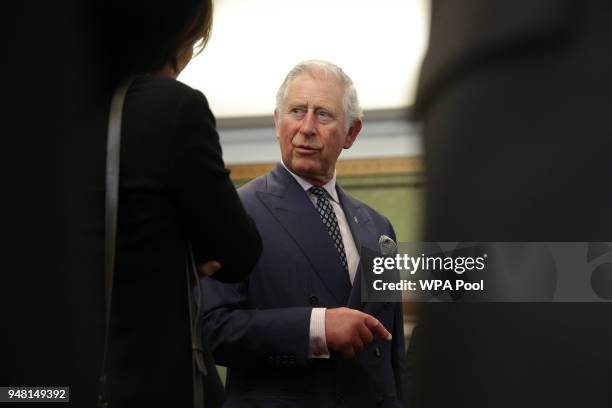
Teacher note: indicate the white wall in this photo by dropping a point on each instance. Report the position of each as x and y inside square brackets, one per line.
[379, 43]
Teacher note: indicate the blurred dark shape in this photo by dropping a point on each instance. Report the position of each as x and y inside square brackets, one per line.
[514, 99]
[597, 249]
[601, 281]
[50, 298]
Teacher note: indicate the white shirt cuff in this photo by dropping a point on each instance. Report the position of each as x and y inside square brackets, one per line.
[318, 343]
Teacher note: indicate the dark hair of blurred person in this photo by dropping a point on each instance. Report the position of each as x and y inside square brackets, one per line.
[142, 36]
[174, 194]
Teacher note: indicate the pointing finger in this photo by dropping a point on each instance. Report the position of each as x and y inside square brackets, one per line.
[377, 328]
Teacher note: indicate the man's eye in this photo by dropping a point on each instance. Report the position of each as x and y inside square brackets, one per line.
[296, 110]
[324, 116]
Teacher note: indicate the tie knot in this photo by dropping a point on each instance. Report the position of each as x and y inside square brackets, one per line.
[318, 191]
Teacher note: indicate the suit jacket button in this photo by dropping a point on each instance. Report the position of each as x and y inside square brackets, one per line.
[313, 300]
[387, 306]
[377, 351]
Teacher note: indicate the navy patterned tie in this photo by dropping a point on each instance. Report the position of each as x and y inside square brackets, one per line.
[328, 216]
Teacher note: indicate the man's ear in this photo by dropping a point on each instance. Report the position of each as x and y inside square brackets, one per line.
[352, 133]
[276, 122]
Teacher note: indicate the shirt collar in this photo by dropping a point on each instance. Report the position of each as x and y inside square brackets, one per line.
[330, 186]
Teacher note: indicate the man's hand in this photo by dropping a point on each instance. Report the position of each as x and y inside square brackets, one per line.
[347, 331]
[209, 268]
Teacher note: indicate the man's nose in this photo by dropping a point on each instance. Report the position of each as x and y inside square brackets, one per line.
[309, 124]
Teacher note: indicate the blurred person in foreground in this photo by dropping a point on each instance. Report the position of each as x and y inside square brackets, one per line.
[174, 194]
[296, 333]
[515, 102]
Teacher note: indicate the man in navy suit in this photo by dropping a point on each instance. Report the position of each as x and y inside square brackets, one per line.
[296, 333]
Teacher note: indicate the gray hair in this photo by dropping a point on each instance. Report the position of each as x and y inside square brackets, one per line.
[350, 102]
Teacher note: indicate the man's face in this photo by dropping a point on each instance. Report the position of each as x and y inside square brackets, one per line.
[311, 128]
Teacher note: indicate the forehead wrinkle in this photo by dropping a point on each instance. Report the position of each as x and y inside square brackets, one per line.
[311, 103]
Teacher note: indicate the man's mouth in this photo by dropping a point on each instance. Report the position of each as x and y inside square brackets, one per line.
[305, 150]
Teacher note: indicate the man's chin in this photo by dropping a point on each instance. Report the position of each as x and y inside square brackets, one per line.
[304, 165]
[306, 169]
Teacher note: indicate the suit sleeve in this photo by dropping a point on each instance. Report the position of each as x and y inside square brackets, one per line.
[237, 333]
[218, 226]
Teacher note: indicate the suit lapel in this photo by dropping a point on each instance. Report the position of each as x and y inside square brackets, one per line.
[290, 205]
[364, 234]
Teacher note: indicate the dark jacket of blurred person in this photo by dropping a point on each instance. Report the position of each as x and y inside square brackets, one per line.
[174, 193]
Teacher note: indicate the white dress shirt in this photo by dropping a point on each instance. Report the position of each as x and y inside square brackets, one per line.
[318, 344]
